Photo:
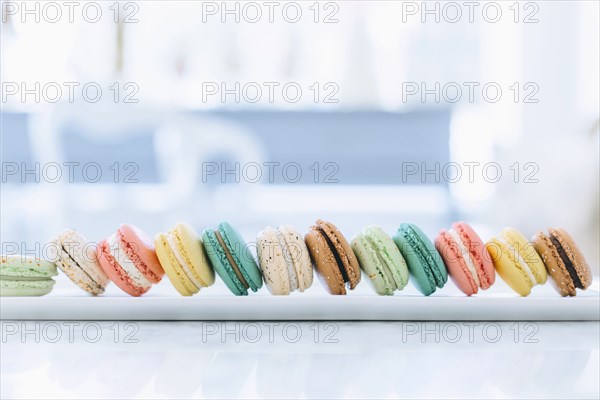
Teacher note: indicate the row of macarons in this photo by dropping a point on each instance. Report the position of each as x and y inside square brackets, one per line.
[286, 260]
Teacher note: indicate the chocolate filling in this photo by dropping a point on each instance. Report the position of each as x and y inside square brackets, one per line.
[338, 259]
[567, 261]
[237, 271]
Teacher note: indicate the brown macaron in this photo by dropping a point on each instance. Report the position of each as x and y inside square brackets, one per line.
[563, 260]
[334, 260]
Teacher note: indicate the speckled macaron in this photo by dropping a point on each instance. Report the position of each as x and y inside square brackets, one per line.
[563, 260]
[283, 259]
[77, 258]
[25, 276]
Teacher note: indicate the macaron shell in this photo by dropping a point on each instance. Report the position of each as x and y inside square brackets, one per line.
[419, 273]
[192, 249]
[171, 266]
[479, 254]
[289, 262]
[387, 250]
[433, 253]
[508, 269]
[527, 252]
[298, 252]
[455, 263]
[115, 272]
[370, 263]
[139, 249]
[78, 259]
[79, 249]
[344, 251]
[561, 280]
[76, 273]
[325, 263]
[26, 266]
[577, 259]
[241, 254]
[272, 262]
[219, 261]
[23, 288]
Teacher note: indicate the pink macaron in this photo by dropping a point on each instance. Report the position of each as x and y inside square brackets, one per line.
[468, 262]
[129, 260]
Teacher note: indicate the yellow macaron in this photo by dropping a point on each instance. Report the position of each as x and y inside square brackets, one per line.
[182, 256]
[516, 261]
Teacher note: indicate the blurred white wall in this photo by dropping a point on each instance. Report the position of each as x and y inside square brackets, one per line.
[370, 54]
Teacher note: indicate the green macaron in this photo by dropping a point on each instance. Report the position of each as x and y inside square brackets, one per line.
[25, 276]
[380, 260]
[424, 262]
[231, 259]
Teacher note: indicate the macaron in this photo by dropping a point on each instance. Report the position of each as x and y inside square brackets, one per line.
[129, 259]
[77, 258]
[468, 262]
[25, 276]
[182, 256]
[516, 261]
[564, 261]
[380, 260]
[283, 259]
[424, 262]
[231, 259]
[333, 258]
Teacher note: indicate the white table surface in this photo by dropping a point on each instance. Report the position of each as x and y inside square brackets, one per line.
[361, 359]
[286, 359]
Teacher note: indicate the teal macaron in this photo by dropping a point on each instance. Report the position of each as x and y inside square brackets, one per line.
[25, 276]
[231, 259]
[380, 260]
[424, 262]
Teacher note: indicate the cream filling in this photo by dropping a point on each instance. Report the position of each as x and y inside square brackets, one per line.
[520, 260]
[181, 260]
[466, 255]
[125, 262]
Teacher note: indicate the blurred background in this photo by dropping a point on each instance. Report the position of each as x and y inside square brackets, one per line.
[356, 112]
